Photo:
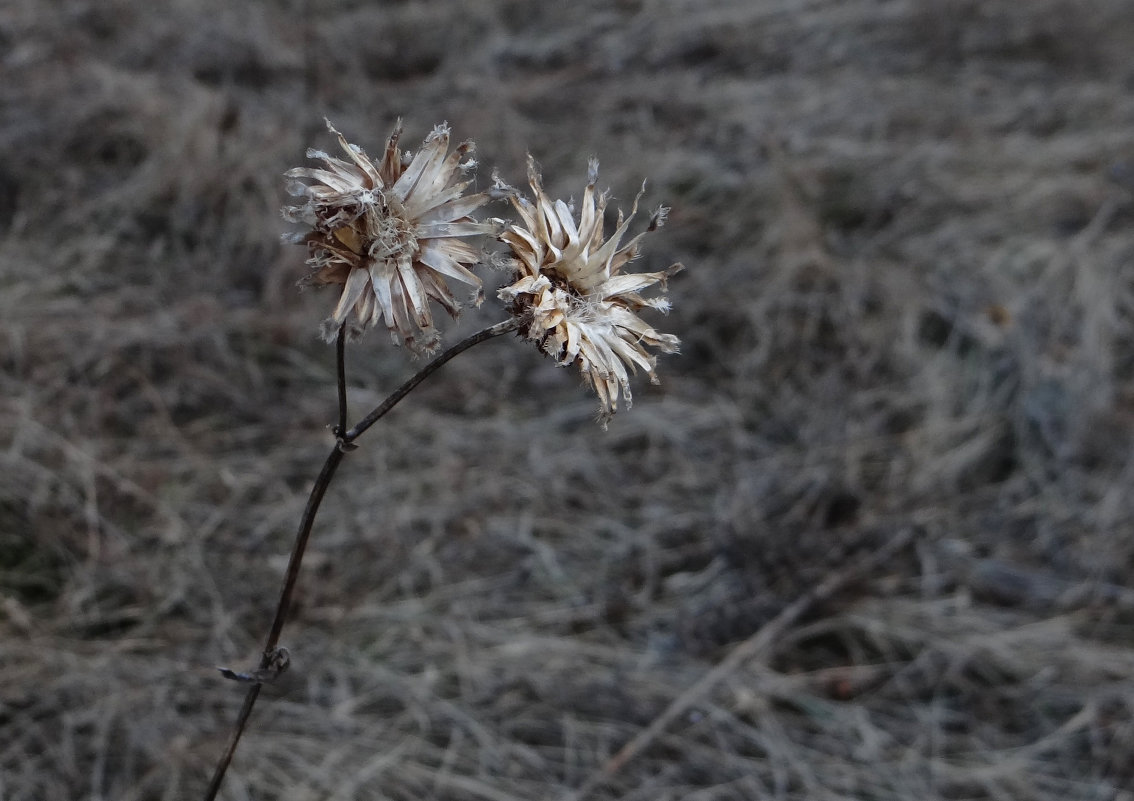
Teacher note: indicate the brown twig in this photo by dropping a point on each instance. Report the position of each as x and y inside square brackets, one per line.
[511, 324]
[748, 649]
[270, 648]
[340, 368]
[344, 442]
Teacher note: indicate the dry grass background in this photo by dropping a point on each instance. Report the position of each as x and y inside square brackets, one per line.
[907, 314]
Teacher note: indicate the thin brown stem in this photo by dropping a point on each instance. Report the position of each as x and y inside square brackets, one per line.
[511, 324]
[340, 366]
[234, 738]
[316, 497]
[344, 442]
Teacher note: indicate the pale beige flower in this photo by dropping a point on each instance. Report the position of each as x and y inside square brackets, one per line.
[390, 233]
[572, 294]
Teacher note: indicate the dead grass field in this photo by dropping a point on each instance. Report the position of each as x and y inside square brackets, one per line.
[906, 325]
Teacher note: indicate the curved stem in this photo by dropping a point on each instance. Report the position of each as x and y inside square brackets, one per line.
[344, 442]
[316, 497]
[504, 327]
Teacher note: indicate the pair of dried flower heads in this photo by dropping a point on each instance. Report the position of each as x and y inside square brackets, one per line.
[393, 234]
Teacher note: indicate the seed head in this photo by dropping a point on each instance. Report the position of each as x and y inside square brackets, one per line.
[390, 233]
[570, 290]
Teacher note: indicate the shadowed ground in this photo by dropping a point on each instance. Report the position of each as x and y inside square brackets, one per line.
[906, 322]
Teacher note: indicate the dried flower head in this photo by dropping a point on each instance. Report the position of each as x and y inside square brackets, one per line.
[575, 300]
[390, 233]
